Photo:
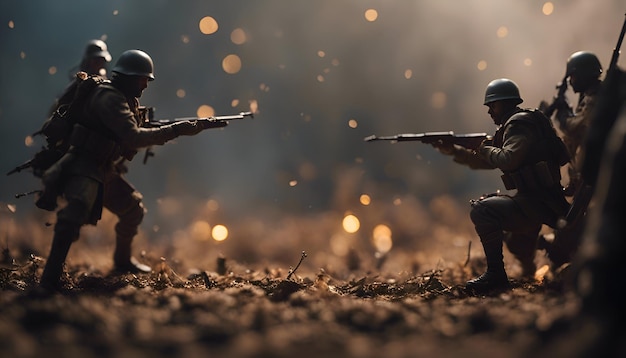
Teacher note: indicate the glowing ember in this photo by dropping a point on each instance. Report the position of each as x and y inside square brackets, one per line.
[541, 272]
[231, 64]
[205, 111]
[351, 224]
[208, 25]
[219, 233]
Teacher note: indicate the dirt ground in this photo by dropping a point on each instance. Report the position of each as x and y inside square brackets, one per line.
[208, 299]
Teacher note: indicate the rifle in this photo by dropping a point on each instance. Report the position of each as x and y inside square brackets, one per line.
[469, 140]
[560, 104]
[147, 114]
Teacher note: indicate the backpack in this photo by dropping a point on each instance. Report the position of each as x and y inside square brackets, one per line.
[57, 129]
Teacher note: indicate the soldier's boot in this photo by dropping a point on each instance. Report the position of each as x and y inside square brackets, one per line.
[123, 261]
[50, 279]
[495, 277]
[523, 246]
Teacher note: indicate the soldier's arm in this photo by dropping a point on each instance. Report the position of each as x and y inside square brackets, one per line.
[518, 138]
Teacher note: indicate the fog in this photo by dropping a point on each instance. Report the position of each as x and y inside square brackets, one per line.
[321, 77]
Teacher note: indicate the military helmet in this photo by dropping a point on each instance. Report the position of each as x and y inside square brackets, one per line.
[501, 89]
[135, 63]
[584, 64]
[97, 48]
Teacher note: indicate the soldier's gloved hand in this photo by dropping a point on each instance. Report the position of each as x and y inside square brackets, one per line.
[187, 128]
[213, 124]
[444, 147]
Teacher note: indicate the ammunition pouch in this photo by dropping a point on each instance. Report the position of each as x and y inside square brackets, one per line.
[533, 177]
[99, 147]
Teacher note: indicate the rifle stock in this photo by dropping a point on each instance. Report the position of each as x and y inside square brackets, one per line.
[469, 140]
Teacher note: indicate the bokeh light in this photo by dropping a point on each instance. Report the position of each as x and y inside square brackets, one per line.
[200, 231]
[482, 65]
[528, 62]
[180, 93]
[212, 205]
[502, 32]
[238, 36]
[185, 39]
[293, 182]
[371, 15]
[234, 103]
[408, 74]
[548, 8]
[29, 141]
[219, 233]
[438, 100]
[231, 64]
[205, 111]
[52, 70]
[351, 223]
[381, 238]
[352, 123]
[208, 25]
[11, 24]
[339, 245]
[365, 199]
[321, 53]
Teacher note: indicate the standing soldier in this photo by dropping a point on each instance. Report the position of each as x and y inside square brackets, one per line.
[107, 131]
[583, 71]
[528, 151]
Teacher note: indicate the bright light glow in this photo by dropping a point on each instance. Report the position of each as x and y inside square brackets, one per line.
[548, 8]
[365, 199]
[205, 111]
[219, 233]
[231, 64]
[351, 224]
[482, 65]
[353, 123]
[293, 183]
[238, 36]
[541, 272]
[371, 15]
[381, 238]
[208, 25]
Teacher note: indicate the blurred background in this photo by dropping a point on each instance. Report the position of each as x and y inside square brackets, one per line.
[320, 76]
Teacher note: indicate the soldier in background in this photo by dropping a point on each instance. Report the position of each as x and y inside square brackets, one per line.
[528, 151]
[107, 132]
[583, 71]
[94, 62]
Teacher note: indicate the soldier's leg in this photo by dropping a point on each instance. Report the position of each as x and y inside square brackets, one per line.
[121, 198]
[81, 193]
[523, 245]
[493, 216]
